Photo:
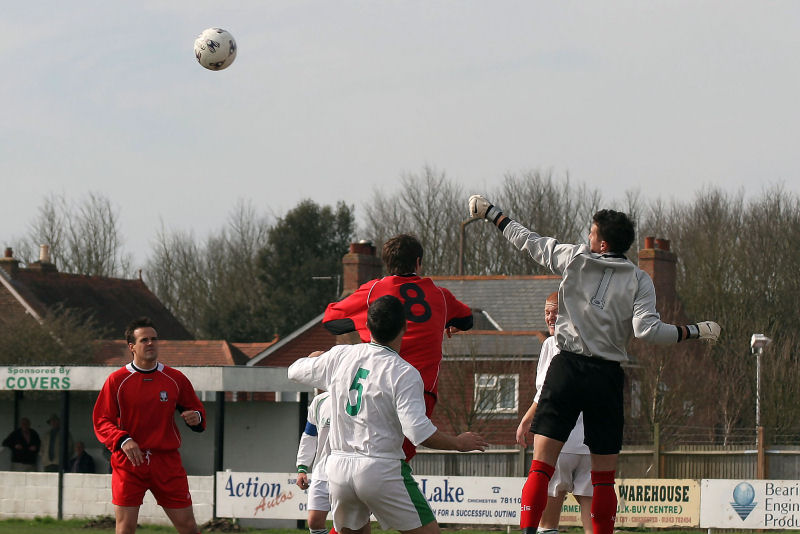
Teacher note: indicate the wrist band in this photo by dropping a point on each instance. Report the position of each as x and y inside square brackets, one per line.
[694, 331]
[493, 213]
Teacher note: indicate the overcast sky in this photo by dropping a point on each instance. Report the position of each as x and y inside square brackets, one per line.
[329, 100]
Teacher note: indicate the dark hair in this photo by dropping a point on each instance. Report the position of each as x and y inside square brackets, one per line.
[386, 318]
[400, 254]
[615, 228]
[141, 322]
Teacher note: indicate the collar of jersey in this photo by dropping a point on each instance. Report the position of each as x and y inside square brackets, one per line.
[374, 344]
[613, 255]
[158, 367]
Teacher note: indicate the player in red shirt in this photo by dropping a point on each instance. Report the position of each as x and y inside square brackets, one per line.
[134, 418]
[430, 311]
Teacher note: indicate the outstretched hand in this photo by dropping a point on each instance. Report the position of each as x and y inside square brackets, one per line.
[704, 330]
[470, 441]
[479, 207]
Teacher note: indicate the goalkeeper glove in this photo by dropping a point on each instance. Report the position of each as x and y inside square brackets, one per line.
[479, 207]
[704, 330]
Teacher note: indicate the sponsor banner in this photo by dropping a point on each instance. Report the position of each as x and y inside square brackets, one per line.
[657, 503]
[651, 503]
[750, 504]
[468, 500]
[260, 495]
[473, 500]
[43, 378]
[91, 378]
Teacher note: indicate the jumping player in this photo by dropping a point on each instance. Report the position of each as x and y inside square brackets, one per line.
[605, 300]
[430, 310]
[314, 447]
[376, 399]
[134, 418]
[573, 468]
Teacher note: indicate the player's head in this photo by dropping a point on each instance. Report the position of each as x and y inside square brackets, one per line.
[386, 319]
[551, 311]
[613, 227]
[142, 341]
[139, 322]
[402, 254]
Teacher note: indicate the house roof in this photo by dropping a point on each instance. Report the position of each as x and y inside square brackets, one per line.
[482, 343]
[310, 337]
[181, 353]
[514, 303]
[111, 302]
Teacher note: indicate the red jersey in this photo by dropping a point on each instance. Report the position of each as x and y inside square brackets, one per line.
[141, 405]
[429, 310]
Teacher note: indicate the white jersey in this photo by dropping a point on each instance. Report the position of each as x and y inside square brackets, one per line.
[604, 299]
[314, 446]
[376, 399]
[574, 443]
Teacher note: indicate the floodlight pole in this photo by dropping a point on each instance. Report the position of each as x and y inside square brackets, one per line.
[759, 352]
[757, 344]
[462, 244]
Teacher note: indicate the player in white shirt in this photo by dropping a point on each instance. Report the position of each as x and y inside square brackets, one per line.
[314, 447]
[573, 468]
[604, 301]
[376, 400]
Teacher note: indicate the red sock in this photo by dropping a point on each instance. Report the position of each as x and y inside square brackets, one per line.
[333, 531]
[604, 502]
[534, 494]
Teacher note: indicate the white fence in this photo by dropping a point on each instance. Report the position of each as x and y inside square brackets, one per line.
[649, 503]
[29, 495]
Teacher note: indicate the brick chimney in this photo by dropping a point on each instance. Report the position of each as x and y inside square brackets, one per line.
[359, 265]
[660, 263]
[43, 265]
[8, 263]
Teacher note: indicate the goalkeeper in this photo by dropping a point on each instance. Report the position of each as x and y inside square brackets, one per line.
[605, 300]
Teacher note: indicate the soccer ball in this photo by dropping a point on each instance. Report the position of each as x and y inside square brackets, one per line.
[215, 49]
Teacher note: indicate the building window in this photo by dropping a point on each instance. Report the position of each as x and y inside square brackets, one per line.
[496, 393]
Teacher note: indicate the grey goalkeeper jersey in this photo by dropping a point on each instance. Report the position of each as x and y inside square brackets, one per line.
[604, 300]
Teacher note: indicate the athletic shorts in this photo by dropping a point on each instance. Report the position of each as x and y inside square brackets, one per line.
[575, 384]
[360, 485]
[430, 402]
[573, 474]
[162, 473]
[318, 496]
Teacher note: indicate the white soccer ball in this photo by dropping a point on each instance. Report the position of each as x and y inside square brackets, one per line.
[215, 48]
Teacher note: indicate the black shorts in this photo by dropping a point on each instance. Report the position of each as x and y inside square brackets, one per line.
[575, 384]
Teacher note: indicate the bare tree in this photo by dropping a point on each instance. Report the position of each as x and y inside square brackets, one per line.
[213, 287]
[428, 205]
[433, 207]
[84, 236]
[176, 274]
